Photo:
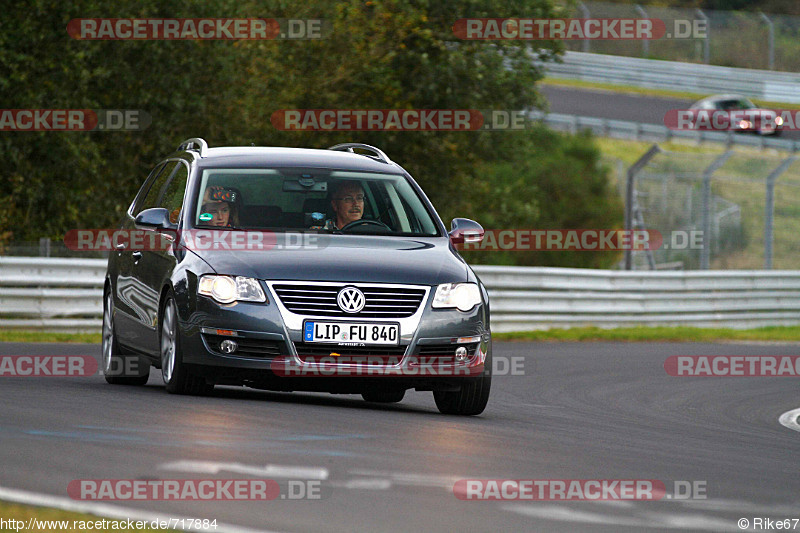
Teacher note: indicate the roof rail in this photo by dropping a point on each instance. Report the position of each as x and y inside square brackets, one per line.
[192, 144]
[348, 147]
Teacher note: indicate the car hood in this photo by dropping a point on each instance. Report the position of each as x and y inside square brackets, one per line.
[418, 261]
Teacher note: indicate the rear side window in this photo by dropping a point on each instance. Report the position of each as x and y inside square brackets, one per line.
[152, 198]
[172, 198]
[137, 201]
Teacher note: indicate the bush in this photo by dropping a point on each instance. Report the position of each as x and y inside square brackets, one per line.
[543, 180]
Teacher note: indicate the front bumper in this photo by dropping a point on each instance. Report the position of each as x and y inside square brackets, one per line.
[269, 338]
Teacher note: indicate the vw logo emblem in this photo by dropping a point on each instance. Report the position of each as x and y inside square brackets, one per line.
[351, 300]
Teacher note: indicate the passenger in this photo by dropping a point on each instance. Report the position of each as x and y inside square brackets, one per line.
[220, 203]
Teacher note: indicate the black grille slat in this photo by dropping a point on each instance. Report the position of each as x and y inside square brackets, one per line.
[339, 314]
[320, 300]
[321, 350]
[309, 294]
[325, 299]
[310, 304]
[392, 300]
[390, 305]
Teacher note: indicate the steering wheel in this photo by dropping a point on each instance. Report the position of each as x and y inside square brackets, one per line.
[365, 222]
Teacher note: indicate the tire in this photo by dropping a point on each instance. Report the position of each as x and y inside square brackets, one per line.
[384, 396]
[119, 369]
[177, 376]
[471, 398]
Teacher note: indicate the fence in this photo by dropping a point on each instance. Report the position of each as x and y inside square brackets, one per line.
[743, 207]
[66, 295]
[733, 38]
[688, 77]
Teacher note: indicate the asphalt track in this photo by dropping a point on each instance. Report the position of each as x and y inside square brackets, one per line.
[580, 411]
[618, 106]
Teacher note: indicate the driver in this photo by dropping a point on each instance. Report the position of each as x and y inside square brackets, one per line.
[347, 202]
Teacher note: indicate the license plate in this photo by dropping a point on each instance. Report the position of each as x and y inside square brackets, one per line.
[338, 332]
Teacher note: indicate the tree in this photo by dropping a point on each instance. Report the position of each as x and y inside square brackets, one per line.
[394, 54]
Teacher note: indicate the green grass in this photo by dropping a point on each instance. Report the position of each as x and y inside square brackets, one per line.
[43, 336]
[657, 334]
[630, 151]
[788, 333]
[13, 511]
[666, 93]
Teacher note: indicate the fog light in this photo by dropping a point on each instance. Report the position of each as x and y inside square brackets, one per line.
[228, 346]
[461, 354]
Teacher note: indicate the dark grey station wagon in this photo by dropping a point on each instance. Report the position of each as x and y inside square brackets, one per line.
[295, 270]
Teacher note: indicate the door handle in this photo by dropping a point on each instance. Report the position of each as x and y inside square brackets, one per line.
[136, 256]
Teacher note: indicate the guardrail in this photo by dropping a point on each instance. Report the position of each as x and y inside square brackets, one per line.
[51, 294]
[623, 129]
[66, 295]
[530, 298]
[690, 77]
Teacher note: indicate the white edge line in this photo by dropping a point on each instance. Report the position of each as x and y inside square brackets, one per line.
[281, 471]
[789, 419]
[104, 510]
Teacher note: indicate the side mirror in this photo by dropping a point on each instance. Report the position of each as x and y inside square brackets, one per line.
[155, 218]
[465, 231]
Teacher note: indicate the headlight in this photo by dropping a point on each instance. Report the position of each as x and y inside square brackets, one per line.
[463, 296]
[779, 121]
[226, 289]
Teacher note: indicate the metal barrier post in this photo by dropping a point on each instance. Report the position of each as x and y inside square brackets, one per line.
[705, 253]
[769, 209]
[629, 195]
[645, 42]
[770, 39]
[586, 14]
[44, 247]
[707, 41]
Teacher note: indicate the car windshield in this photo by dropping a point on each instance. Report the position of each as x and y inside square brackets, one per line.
[740, 103]
[311, 199]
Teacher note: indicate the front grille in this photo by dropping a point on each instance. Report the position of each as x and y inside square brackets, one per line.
[440, 353]
[320, 300]
[248, 347]
[313, 352]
